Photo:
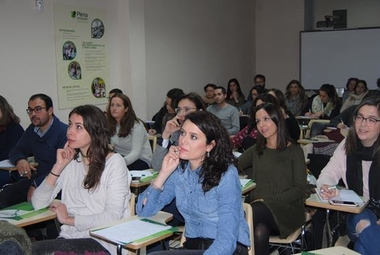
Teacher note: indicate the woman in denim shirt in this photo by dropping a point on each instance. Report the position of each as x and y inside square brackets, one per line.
[201, 175]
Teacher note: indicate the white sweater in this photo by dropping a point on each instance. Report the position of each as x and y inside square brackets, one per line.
[108, 203]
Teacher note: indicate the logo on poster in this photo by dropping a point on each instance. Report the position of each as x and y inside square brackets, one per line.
[79, 15]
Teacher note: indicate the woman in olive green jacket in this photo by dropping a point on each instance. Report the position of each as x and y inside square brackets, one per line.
[278, 167]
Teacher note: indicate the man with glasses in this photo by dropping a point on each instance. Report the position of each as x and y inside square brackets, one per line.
[41, 139]
[228, 114]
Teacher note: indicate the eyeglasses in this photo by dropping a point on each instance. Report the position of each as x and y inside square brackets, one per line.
[185, 110]
[38, 109]
[371, 121]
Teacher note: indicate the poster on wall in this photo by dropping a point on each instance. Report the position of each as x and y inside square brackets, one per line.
[81, 55]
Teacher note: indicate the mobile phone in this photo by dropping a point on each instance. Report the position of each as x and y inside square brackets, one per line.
[344, 203]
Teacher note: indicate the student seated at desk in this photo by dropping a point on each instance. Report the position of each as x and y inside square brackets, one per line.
[128, 133]
[278, 168]
[94, 183]
[357, 162]
[10, 133]
[201, 175]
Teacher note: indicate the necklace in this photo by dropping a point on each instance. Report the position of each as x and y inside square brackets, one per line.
[83, 155]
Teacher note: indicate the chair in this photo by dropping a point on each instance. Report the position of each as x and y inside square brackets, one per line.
[249, 217]
[132, 204]
[310, 124]
[296, 240]
[153, 142]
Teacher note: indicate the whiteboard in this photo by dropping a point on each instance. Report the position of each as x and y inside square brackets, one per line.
[333, 56]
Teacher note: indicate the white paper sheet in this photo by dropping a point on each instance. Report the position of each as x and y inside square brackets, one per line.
[130, 231]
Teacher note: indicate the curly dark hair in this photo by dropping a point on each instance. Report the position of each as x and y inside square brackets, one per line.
[277, 117]
[221, 156]
[127, 121]
[95, 124]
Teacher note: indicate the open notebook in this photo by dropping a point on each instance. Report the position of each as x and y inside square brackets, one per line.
[344, 195]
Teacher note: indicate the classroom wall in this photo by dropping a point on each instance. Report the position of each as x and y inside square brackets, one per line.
[277, 26]
[363, 13]
[192, 43]
[27, 50]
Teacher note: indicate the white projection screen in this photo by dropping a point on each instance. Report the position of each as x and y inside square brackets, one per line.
[332, 56]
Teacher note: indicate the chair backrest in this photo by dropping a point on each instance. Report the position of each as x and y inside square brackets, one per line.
[132, 204]
[153, 142]
[249, 217]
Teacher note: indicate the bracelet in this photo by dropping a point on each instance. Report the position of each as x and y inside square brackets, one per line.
[56, 175]
[155, 187]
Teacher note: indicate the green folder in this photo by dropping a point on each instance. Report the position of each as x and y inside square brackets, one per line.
[24, 206]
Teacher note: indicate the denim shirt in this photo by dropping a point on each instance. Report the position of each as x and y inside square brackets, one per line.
[216, 214]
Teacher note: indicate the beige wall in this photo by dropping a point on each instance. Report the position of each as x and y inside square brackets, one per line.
[277, 26]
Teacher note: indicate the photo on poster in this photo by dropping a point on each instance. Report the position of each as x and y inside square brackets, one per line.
[69, 50]
[74, 70]
[97, 28]
[98, 87]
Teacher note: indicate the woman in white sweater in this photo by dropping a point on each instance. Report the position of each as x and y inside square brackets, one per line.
[128, 134]
[357, 162]
[94, 182]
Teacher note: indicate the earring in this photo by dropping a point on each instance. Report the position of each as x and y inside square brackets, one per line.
[208, 154]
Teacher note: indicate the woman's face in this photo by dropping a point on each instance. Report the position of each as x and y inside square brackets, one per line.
[193, 144]
[185, 106]
[366, 126]
[232, 86]
[265, 124]
[324, 97]
[254, 94]
[210, 92]
[360, 88]
[117, 108]
[77, 135]
[294, 89]
[351, 85]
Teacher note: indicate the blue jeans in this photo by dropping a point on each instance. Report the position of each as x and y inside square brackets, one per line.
[367, 242]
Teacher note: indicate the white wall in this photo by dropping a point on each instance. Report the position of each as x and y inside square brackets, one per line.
[277, 26]
[27, 52]
[192, 43]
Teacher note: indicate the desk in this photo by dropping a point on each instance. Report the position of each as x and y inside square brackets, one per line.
[314, 140]
[162, 217]
[314, 201]
[337, 250]
[248, 188]
[304, 120]
[39, 215]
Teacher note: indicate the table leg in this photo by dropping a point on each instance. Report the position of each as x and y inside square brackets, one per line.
[119, 249]
[329, 234]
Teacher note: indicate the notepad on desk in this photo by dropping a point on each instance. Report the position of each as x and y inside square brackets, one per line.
[132, 231]
[245, 182]
[345, 195]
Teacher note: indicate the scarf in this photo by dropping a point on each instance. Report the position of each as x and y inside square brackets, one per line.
[354, 173]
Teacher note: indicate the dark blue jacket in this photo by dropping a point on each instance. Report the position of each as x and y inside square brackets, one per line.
[44, 149]
[9, 138]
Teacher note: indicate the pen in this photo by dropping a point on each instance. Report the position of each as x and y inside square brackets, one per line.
[341, 121]
[329, 188]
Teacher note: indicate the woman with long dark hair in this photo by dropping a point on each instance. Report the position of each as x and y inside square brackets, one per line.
[278, 167]
[128, 133]
[201, 175]
[235, 96]
[357, 162]
[94, 182]
[10, 133]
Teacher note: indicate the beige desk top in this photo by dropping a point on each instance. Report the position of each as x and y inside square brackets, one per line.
[162, 217]
[337, 250]
[248, 188]
[314, 201]
[40, 217]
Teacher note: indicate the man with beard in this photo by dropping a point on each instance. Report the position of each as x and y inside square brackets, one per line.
[41, 139]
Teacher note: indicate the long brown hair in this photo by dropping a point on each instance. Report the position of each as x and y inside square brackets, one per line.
[8, 115]
[95, 124]
[127, 121]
